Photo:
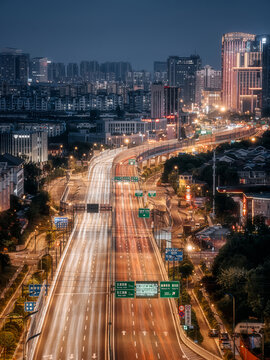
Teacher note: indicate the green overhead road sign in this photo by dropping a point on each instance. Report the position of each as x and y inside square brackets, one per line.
[152, 193]
[131, 161]
[126, 178]
[139, 193]
[144, 213]
[146, 289]
[124, 289]
[169, 289]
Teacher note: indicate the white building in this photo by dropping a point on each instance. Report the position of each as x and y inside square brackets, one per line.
[207, 79]
[31, 146]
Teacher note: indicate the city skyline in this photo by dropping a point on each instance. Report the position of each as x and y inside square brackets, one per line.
[88, 32]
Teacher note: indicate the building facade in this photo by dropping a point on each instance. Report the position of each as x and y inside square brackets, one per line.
[157, 100]
[207, 79]
[30, 146]
[182, 74]
[14, 66]
[39, 69]
[266, 75]
[232, 44]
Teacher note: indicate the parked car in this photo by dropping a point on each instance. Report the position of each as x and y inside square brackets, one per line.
[213, 333]
[225, 345]
[223, 337]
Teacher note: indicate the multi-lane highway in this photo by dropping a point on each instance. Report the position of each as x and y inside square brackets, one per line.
[143, 328]
[79, 312]
[75, 325]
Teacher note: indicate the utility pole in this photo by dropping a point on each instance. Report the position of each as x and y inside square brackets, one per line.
[214, 183]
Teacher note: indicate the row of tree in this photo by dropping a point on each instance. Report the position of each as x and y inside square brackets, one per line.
[242, 269]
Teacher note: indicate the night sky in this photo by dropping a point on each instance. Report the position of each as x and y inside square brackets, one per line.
[138, 31]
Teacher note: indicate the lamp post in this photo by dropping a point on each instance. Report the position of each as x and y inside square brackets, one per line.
[233, 324]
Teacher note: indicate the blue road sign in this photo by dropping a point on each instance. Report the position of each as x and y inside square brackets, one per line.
[29, 306]
[173, 254]
[61, 222]
[34, 290]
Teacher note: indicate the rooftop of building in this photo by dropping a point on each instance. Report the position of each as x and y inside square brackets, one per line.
[11, 160]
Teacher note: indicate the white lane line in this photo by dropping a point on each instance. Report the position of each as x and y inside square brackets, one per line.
[135, 343]
[156, 344]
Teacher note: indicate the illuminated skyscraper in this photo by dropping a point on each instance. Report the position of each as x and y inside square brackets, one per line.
[182, 74]
[266, 75]
[232, 44]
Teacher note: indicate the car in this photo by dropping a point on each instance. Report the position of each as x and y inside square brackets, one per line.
[213, 333]
[225, 345]
[224, 336]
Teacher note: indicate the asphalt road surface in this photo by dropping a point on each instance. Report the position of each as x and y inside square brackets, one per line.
[75, 325]
[143, 328]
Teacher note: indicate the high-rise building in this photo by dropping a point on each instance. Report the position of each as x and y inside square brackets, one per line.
[172, 102]
[39, 69]
[115, 71]
[72, 71]
[232, 44]
[31, 146]
[247, 81]
[157, 101]
[160, 71]
[14, 66]
[207, 79]
[266, 75]
[56, 72]
[182, 74]
[89, 70]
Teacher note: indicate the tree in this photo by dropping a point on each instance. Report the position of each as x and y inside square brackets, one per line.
[186, 268]
[7, 339]
[4, 261]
